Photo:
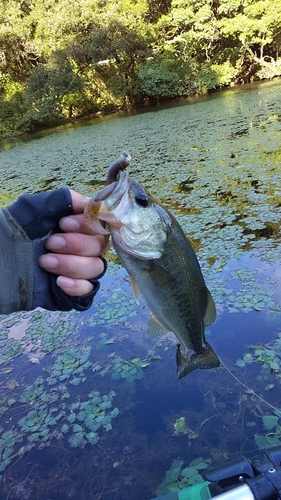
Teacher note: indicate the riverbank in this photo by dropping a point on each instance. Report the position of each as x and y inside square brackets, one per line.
[102, 117]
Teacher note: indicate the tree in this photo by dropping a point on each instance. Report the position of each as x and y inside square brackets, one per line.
[62, 58]
[256, 32]
[49, 90]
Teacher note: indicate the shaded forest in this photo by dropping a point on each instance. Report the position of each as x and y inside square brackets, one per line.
[65, 59]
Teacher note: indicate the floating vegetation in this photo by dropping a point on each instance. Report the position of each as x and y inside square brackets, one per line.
[269, 355]
[273, 438]
[69, 379]
[118, 308]
[48, 335]
[47, 407]
[91, 415]
[179, 477]
[181, 428]
[71, 362]
[9, 349]
[51, 417]
[251, 295]
[128, 370]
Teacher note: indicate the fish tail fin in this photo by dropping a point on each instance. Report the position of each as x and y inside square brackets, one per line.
[204, 360]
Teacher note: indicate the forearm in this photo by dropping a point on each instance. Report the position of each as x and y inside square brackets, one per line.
[17, 269]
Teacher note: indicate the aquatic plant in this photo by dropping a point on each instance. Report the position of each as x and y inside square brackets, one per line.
[118, 308]
[128, 370]
[70, 363]
[47, 334]
[179, 477]
[49, 416]
[273, 438]
[180, 427]
[91, 415]
[10, 348]
[225, 190]
[269, 355]
[81, 422]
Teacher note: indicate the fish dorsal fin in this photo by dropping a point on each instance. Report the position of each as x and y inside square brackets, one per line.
[210, 314]
[155, 329]
[136, 291]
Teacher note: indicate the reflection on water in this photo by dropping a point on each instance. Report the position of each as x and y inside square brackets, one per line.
[90, 407]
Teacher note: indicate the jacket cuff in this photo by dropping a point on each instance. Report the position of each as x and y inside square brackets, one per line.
[55, 299]
[85, 301]
[38, 214]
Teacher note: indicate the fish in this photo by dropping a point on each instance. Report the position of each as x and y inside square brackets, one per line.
[161, 263]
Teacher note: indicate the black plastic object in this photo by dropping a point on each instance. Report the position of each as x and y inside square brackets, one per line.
[262, 474]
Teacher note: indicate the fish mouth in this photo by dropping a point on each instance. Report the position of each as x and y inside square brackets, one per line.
[121, 187]
[102, 205]
[113, 191]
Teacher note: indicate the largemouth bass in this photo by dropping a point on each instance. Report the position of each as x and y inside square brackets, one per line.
[161, 263]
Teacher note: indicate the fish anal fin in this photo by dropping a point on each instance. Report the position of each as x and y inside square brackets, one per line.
[206, 360]
[136, 291]
[180, 357]
[155, 328]
[210, 314]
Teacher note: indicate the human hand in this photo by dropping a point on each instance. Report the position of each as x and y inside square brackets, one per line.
[74, 254]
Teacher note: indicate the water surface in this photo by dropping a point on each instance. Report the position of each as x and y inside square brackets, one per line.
[92, 408]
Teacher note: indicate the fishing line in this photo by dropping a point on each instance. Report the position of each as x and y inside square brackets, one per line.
[251, 390]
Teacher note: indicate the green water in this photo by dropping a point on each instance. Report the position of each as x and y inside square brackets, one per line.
[87, 398]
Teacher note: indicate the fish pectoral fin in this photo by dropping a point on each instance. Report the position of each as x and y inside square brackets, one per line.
[205, 360]
[164, 277]
[210, 314]
[155, 328]
[136, 291]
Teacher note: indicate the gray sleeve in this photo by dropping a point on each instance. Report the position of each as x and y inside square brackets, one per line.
[24, 227]
[17, 267]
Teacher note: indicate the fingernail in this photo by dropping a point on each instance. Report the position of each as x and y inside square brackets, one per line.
[55, 243]
[64, 282]
[49, 262]
[69, 224]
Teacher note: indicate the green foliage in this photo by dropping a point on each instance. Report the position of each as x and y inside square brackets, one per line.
[48, 417]
[159, 78]
[109, 55]
[270, 357]
[177, 477]
[272, 438]
[128, 370]
[270, 421]
[180, 426]
[72, 362]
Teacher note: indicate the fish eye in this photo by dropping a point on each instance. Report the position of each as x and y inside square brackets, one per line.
[141, 201]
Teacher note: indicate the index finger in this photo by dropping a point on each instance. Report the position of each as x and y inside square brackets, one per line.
[75, 224]
[78, 201]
